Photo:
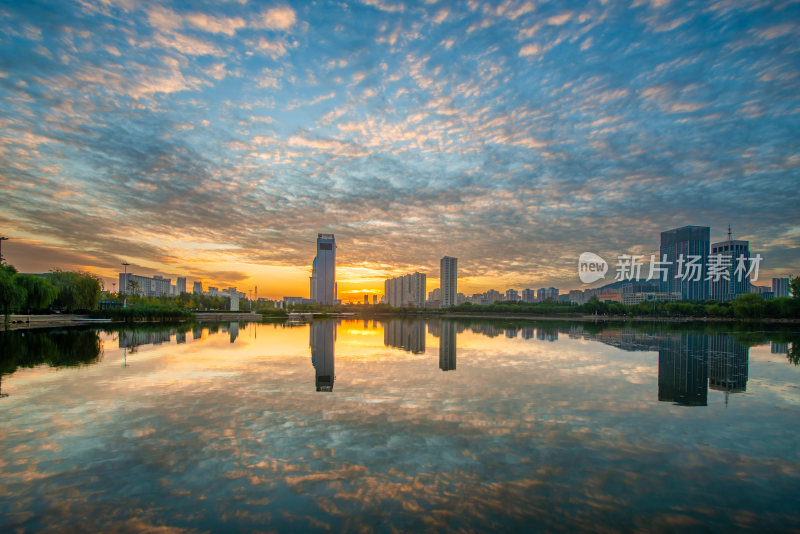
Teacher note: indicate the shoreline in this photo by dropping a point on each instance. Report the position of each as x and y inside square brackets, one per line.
[621, 318]
[26, 322]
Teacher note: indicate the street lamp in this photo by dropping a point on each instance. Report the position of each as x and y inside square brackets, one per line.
[125, 289]
[1, 248]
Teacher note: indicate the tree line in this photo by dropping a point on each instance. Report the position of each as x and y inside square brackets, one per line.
[748, 306]
[30, 293]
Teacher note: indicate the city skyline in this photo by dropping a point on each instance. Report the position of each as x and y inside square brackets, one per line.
[161, 285]
[213, 142]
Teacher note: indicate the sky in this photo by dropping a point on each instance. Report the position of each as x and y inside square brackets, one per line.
[214, 140]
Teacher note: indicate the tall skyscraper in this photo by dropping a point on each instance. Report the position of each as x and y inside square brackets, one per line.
[180, 285]
[730, 284]
[323, 279]
[197, 288]
[686, 252]
[448, 281]
[313, 281]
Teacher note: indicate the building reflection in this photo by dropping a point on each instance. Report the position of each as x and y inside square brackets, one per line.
[488, 330]
[683, 369]
[728, 362]
[405, 335]
[447, 346]
[233, 331]
[547, 334]
[527, 332]
[779, 348]
[322, 336]
[688, 363]
[129, 339]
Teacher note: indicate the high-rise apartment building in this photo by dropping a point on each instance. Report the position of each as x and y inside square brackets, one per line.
[406, 291]
[323, 277]
[180, 285]
[197, 288]
[132, 284]
[684, 252]
[448, 281]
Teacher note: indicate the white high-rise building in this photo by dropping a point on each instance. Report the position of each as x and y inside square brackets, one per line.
[407, 290]
[323, 276]
[448, 281]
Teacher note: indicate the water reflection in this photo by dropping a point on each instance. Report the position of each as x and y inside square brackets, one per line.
[133, 338]
[322, 336]
[689, 363]
[683, 369]
[233, 331]
[545, 426]
[55, 348]
[405, 335]
[728, 364]
[447, 347]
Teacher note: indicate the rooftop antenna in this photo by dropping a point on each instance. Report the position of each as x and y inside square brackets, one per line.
[729, 231]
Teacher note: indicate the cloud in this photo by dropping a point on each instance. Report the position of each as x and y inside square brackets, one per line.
[441, 16]
[274, 49]
[276, 18]
[215, 24]
[386, 6]
[158, 134]
[559, 20]
[270, 78]
[217, 71]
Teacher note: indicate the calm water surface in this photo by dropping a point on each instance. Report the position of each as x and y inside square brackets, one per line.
[398, 426]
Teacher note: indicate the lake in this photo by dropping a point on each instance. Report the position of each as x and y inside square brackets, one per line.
[400, 425]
